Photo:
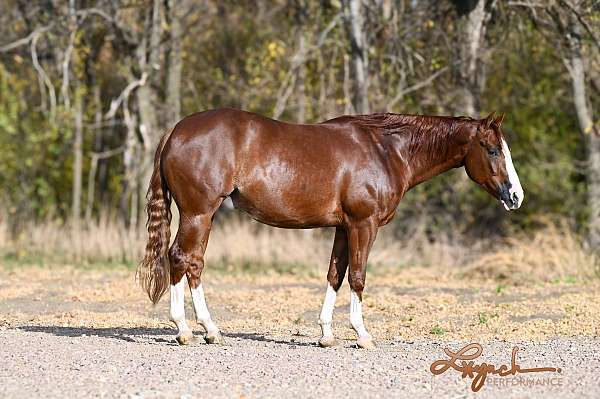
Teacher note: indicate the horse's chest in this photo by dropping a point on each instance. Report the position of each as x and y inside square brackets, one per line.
[369, 200]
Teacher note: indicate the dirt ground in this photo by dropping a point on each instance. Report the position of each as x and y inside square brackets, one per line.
[80, 333]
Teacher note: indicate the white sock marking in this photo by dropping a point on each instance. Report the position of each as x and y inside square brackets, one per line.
[513, 178]
[327, 311]
[202, 314]
[356, 317]
[177, 311]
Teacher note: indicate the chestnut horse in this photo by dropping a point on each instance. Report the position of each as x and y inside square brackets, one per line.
[349, 173]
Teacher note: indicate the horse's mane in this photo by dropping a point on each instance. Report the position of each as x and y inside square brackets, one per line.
[388, 123]
[429, 134]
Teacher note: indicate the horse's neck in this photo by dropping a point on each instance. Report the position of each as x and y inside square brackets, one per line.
[423, 171]
[421, 164]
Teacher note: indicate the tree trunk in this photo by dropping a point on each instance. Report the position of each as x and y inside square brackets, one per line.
[104, 193]
[148, 53]
[94, 161]
[348, 106]
[468, 74]
[77, 160]
[591, 133]
[301, 113]
[594, 189]
[175, 63]
[131, 156]
[354, 18]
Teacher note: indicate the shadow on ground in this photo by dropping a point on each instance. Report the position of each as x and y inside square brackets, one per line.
[130, 334]
[124, 334]
[262, 338]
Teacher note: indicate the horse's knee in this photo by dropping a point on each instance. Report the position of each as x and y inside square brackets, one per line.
[335, 285]
[335, 281]
[357, 283]
[194, 272]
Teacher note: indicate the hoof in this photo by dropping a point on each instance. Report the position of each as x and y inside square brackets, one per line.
[216, 339]
[327, 342]
[186, 338]
[366, 343]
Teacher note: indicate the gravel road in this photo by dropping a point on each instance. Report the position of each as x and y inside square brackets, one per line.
[76, 362]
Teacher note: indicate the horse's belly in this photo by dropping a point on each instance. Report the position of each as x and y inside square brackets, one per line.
[283, 209]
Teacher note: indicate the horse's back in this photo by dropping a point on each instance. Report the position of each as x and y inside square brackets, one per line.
[244, 139]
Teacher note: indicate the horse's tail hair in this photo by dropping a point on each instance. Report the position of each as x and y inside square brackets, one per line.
[153, 272]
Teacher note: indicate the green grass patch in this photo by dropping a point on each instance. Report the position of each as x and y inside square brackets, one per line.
[565, 280]
[484, 317]
[437, 330]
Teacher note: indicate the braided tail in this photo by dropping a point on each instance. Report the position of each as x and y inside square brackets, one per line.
[153, 272]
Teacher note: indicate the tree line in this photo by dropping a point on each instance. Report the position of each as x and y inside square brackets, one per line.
[87, 88]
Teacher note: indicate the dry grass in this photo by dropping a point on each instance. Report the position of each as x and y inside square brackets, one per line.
[549, 255]
[537, 285]
[413, 303]
[52, 242]
[234, 243]
[237, 244]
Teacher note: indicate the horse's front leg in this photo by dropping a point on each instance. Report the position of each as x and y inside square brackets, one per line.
[337, 270]
[361, 236]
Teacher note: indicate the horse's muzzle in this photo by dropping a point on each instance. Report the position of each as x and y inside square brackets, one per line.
[509, 199]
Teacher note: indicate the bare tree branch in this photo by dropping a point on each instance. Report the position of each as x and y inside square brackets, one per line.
[107, 153]
[65, 70]
[325, 33]
[582, 21]
[95, 157]
[298, 59]
[124, 32]
[116, 103]
[285, 91]
[42, 74]
[25, 40]
[417, 86]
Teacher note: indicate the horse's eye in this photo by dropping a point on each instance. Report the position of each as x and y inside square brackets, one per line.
[493, 152]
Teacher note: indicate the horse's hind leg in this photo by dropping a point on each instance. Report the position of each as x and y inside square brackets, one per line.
[337, 270]
[177, 312]
[187, 258]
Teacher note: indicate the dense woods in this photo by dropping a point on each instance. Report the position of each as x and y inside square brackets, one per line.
[87, 88]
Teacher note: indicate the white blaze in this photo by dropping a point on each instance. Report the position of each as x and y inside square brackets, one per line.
[513, 178]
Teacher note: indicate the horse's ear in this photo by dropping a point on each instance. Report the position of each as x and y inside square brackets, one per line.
[498, 121]
[490, 118]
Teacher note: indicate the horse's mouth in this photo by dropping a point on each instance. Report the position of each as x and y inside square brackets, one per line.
[511, 206]
[509, 198]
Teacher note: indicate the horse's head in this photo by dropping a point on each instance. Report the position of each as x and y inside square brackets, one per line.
[489, 164]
